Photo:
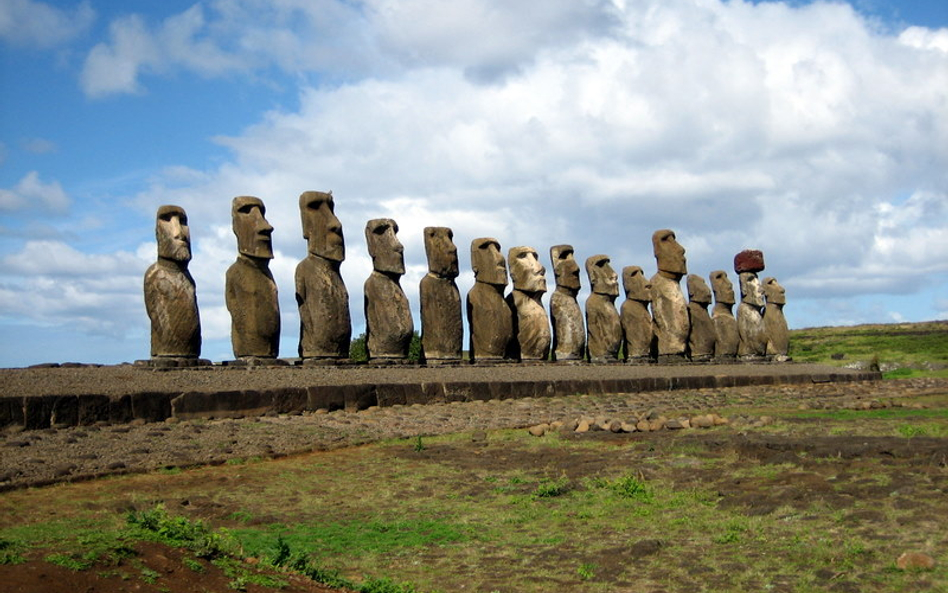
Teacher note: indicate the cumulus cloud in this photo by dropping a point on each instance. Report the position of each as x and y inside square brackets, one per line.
[26, 23]
[31, 193]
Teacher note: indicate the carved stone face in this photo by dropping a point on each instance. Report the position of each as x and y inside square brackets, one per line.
[636, 285]
[751, 292]
[488, 262]
[722, 287]
[565, 268]
[173, 234]
[602, 278]
[698, 291]
[776, 295]
[386, 250]
[321, 229]
[251, 227]
[669, 254]
[527, 272]
[441, 251]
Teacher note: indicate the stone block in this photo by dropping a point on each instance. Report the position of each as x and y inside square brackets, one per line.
[430, 393]
[11, 411]
[65, 411]
[151, 407]
[92, 409]
[359, 397]
[288, 400]
[329, 397]
[391, 394]
[749, 260]
[38, 411]
[120, 409]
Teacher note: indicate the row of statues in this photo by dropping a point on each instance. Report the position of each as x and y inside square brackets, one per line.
[654, 323]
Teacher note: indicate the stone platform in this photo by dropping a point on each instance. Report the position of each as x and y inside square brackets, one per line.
[37, 398]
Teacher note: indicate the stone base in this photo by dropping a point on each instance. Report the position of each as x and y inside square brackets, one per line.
[255, 361]
[753, 359]
[639, 360]
[672, 359]
[604, 360]
[391, 362]
[325, 362]
[726, 359]
[702, 358]
[443, 362]
[173, 362]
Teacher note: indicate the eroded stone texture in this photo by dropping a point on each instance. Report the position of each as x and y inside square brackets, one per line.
[750, 322]
[531, 328]
[727, 338]
[701, 338]
[634, 314]
[388, 322]
[488, 316]
[250, 292]
[669, 310]
[170, 296]
[775, 324]
[749, 260]
[569, 330]
[325, 323]
[603, 326]
[442, 331]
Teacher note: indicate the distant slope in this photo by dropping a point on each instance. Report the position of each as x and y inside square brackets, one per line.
[899, 349]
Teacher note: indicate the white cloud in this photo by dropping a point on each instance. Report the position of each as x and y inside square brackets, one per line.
[27, 23]
[31, 193]
[39, 145]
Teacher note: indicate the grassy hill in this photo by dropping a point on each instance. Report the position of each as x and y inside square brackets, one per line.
[899, 349]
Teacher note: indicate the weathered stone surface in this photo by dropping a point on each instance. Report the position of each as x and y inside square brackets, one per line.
[488, 315]
[442, 331]
[531, 327]
[701, 337]
[569, 331]
[727, 338]
[170, 296]
[388, 322]
[749, 260]
[637, 331]
[669, 310]
[775, 324]
[603, 325]
[750, 323]
[250, 291]
[325, 322]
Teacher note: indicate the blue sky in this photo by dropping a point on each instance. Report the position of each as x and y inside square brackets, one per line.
[817, 132]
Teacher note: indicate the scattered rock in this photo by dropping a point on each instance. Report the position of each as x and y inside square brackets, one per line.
[539, 430]
[915, 561]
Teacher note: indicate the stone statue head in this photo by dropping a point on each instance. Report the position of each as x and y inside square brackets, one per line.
[173, 234]
[488, 262]
[441, 251]
[386, 250]
[669, 254]
[722, 287]
[776, 295]
[565, 268]
[321, 229]
[251, 227]
[698, 291]
[602, 278]
[526, 271]
[751, 292]
[636, 285]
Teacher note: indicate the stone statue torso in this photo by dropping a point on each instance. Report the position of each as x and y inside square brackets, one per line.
[442, 332]
[750, 326]
[490, 321]
[669, 315]
[569, 330]
[778, 334]
[637, 328]
[727, 339]
[603, 327]
[171, 303]
[531, 327]
[251, 296]
[702, 336]
[325, 324]
[388, 322]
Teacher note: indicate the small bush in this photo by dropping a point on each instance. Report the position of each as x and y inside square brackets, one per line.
[551, 488]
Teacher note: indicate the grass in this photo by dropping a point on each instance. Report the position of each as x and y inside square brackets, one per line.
[900, 350]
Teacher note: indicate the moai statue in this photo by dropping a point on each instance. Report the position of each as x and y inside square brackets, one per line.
[702, 336]
[388, 322]
[531, 328]
[775, 324]
[669, 311]
[569, 330]
[325, 325]
[442, 332]
[602, 320]
[488, 316]
[250, 292]
[636, 319]
[750, 323]
[727, 338]
[170, 297]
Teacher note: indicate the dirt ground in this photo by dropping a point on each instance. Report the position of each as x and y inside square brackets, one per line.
[901, 484]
